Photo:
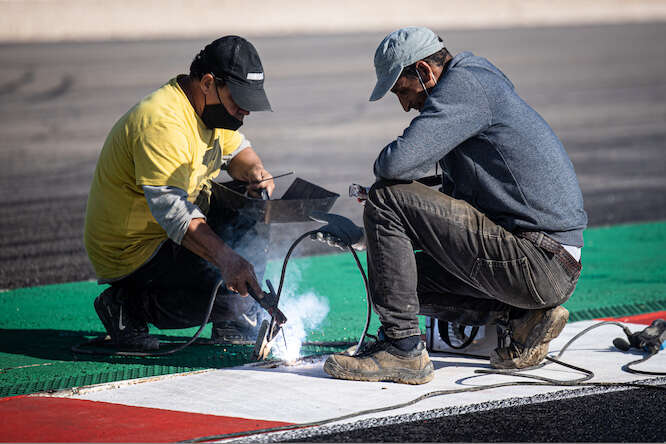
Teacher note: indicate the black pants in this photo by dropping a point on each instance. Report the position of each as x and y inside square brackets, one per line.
[172, 290]
[467, 269]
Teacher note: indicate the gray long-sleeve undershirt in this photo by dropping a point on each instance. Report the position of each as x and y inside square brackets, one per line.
[171, 209]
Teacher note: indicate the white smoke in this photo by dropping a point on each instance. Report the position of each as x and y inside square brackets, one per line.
[304, 313]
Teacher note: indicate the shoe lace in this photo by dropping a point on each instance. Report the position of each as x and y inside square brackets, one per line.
[380, 342]
[373, 347]
[506, 342]
[503, 334]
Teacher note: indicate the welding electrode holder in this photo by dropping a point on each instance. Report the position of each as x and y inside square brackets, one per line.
[269, 302]
[268, 330]
[650, 339]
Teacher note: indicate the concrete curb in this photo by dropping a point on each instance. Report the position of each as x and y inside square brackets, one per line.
[67, 20]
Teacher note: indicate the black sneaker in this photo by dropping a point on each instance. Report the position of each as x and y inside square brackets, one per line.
[241, 331]
[125, 331]
[382, 361]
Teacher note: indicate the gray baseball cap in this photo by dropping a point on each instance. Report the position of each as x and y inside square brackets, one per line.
[399, 49]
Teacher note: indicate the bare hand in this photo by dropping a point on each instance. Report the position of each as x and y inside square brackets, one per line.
[256, 181]
[238, 275]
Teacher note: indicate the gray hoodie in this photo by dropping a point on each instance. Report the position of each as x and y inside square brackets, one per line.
[495, 151]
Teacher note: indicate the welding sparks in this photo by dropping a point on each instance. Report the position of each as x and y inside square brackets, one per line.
[304, 313]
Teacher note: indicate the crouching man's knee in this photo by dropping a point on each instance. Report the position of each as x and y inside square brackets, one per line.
[382, 189]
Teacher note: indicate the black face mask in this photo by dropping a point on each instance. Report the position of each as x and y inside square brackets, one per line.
[217, 116]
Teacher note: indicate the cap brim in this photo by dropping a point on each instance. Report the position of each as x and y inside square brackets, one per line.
[384, 83]
[248, 98]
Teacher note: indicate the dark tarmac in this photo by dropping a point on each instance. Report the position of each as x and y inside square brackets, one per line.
[602, 88]
[626, 416]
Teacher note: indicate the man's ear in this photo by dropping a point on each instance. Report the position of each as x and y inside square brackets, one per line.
[207, 83]
[426, 73]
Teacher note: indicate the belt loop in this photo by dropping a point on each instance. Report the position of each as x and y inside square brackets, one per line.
[539, 239]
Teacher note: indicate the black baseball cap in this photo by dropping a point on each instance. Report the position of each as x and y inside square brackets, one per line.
[234, 60]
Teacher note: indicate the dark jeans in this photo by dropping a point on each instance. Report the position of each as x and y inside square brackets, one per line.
[173, 289]
[468, 270]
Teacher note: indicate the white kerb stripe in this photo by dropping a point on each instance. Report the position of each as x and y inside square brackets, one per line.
[255, 76]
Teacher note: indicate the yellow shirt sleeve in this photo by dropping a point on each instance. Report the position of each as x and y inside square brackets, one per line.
[162, 157]
[231, 140]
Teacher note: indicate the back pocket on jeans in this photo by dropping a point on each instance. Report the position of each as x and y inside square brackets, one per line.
[508, 281]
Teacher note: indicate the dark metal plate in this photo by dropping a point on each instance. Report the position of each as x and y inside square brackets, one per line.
[300, 199]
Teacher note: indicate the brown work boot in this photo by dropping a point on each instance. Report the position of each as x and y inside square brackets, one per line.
[530, 335]
[381, 361]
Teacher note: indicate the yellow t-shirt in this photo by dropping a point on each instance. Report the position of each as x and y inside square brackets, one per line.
[161, 141]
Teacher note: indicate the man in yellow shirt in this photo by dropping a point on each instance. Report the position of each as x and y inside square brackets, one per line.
[154, 230]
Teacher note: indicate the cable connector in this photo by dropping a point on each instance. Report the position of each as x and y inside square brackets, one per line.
[339, 231]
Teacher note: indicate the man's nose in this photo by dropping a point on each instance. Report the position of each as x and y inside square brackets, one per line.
[243, 111]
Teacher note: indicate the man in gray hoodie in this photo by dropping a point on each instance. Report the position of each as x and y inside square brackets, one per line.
[500, 242]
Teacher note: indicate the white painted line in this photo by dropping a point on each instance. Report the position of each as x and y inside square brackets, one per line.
[305, 393]
[304, 433]
[87, 389]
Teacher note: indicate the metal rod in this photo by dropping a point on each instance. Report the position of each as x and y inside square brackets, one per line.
[273, 177]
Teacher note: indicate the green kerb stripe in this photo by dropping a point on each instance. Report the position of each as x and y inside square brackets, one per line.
[624, 273]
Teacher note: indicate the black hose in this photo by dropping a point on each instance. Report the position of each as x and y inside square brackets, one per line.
[627, 367]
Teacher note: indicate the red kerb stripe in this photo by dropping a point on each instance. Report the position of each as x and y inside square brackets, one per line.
[48, 419]
[645, 318]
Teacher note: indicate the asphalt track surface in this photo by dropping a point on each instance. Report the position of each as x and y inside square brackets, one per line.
[609, 417]
[602, 88]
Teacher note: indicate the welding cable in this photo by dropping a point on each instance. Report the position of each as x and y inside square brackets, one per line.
[425, 396]
[538, 381]
[368, 317]
[627, 367]
[100, 342]
[288, 255]
[589, 374]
